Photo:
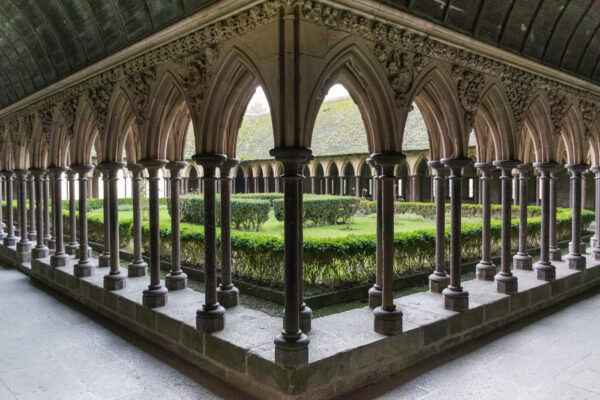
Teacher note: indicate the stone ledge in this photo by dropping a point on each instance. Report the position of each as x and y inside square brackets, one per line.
[344, 354]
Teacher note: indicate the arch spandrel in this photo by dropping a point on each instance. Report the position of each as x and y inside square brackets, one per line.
[85, 133]
[39, 147]
[539, 129]
[594, 140]
[572, 134]
[120, 119]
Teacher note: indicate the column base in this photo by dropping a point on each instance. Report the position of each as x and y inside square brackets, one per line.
[437, 283]
[576, 261]
[23, 246]
[176, 281]
[58, 260]
[555, 254]
[581, 247]
[291, 352]
[456, 299]
[114, 281]
[545, 271]
[40, 252]
[305, 318]
[136, 269]
[523, 261]
[78, 252]
[375, 296]
[210, 319]
[32, 236]
[387, 322]
[153, 298]
[104, 260]
[506, 284]
[82, 269]
[10, 241]
[51, 243]
[227, 297]
[71, 248]
[486, 270]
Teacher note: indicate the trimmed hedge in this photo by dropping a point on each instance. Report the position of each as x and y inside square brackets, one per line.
[322, 209]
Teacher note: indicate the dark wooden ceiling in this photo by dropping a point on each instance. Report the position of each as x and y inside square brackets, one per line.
[43, 41]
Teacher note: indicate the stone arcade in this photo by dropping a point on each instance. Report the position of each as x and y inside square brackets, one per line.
[140, 101]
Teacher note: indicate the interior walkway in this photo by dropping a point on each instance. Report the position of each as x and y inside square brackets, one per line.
[51, 348]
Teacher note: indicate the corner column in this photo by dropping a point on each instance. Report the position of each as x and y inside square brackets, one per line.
[555, 251]
[486, 269]
[23, 245]
[388, 318]
[439, 280]
[522, 260]
[72, 246]
[137, 266]
[305, 313]
[455, 297]
[10, 239]
[59, 258]
[375, 297]
[227, 294]
[176, 279]
[575, 259]
[156, 295]
[104, 257]
[545, 270]
[83, 266]
[291, 347]
[506, 282]
[32, 223]
[48, 239]
[40, 250]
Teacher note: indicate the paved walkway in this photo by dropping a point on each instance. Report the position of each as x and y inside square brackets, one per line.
[51, 348]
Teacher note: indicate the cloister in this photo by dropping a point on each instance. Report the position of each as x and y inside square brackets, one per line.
[533, 117]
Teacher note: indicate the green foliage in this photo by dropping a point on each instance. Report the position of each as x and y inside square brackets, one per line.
[321, 209]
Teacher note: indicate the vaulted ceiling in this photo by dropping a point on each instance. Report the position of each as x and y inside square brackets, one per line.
[43, 41]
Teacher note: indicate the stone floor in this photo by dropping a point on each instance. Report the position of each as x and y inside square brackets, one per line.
[52, 348]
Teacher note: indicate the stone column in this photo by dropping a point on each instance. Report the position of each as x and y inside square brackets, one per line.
[72, 246]
[439, 280]
[455, 298]
[357, 187]
[176, 279]
[584, 176]
[156, 294]
[375, 297]
[545, 270]
[413, 187]
[40, 250]
[388, 318]
[246, 184]
[10, 239]
[313, 184]
[555, 251]
[375, 191]
[32, 224]
[266, 184]
[342, 178]
[506, 282]
[2, 197]
[211, 318]
[23, 245]
[104, 257]
[486, 270]
[575, 259]
[522, 260]
[59, 258]
[256, 185]
[48, 239]
[83, 266]
[227, 294]
[596, 243]
[516, 190]
[17, 191]
[137, 266]
[291, 347]
[115, 279]
[305, 313]
[277, 185]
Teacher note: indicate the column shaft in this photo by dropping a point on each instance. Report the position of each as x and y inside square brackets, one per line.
[227, 293]
[575, 259]
[439, 280]
[47, 235]
[32, 219]
[83, 266]
[596, 242]
[545, 270]
[59, 258]
[555, 251]
[137, 266]
[115, 279]
[486, 270]
[23, 245]
[73, 246]
[375, 293]
[175, 279]
[522, 260]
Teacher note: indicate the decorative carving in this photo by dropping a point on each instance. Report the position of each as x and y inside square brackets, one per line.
[139, 83]
[69, 112]
[558, 110]
[469, 85]
[196, 70]
[100, 96]
[590, 112]
[401, 69]
[46, 119]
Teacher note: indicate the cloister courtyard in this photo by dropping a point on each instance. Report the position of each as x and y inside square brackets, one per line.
[299, 199]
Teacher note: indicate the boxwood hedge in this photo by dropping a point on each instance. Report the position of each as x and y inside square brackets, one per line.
[321, 209]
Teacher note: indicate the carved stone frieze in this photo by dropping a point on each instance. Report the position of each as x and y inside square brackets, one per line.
[590, 112]
[139, 83]
[469, 85]
[69, 112]
[401, 68]
[558, 110]
[195, 71]
[46, 120]
[100, 97]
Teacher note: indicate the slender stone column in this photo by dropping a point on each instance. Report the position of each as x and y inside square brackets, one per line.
[555, 251]
[115, 279]
[104, 257]
[522, 260]
[313, 184]
[516, 189]
[486, 270]
[327, 179]
[596, 243]
[256, 185]
[227, 294]
[439, 280]
[506, 282]
[266, 184]
[277, 184]
[584, 179]
[17, 190]
[10, 239]
[59, 258]
[357, 186]
[413, 187]
[72, 246]
[211, 318]
[48, 238]
[176, 279]
[291, 347]
[388, 318]
[137, 266]
[455, 297]
[575, 259]
[537, 190]
[31, 191]
[23, 245]
[545, 270]
[2, 197]
[305, 313]
[246, 184]
[83, 266]
[156, 295]
[342, 185]
[40, 250]
[375, 294]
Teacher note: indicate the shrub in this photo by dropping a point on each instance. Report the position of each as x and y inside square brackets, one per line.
[321, 209]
